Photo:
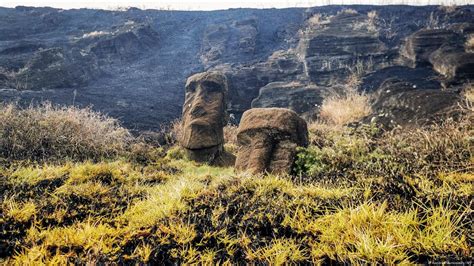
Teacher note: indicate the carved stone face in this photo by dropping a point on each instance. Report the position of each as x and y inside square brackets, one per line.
[268, 138]
[204, 111]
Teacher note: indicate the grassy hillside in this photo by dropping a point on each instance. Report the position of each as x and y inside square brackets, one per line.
[357, 195]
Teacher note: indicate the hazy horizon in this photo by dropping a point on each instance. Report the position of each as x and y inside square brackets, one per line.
[214, 5]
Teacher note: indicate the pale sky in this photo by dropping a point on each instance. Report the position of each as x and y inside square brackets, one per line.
[214, 4]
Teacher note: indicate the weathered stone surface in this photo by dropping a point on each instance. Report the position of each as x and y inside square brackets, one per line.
[402, 103]
[221, 41]
[421, 44]
[268, 138]
[123, 43]
[453, 63]
[247, 35]
[334, 49]
[246, 81]
[54, 68]
[302, 98]
[204, 117]
[421, 78]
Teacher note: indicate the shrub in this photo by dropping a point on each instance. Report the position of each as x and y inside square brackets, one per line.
[143, 153]
[230, 134]
[176, 153]
[469, 96]
[348, 11]
[367, 151]
[176, 129]
[342, 109]
[470, 43]
[48, 132]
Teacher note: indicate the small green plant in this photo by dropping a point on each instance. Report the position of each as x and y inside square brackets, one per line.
[176, 153]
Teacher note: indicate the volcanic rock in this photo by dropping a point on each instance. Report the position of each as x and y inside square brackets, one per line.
[421, 44]
[268, 138]
[400, 103]
[453, 63]
[204, 117]
[333, 49]
[302, 98]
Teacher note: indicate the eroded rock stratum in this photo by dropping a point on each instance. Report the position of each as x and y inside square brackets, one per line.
[134, 64]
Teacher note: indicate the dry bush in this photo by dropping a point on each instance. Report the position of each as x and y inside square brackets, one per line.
[470, 43]
[348, 11]
[372, 18]
[469, 96]
[176, 129]
[433, 21]
[168, 135]
[398, 165]
[230, 134]
[469, 92]
[342, 109]
[315, 19]
[448, 8]
[48, 132]
[319, 20]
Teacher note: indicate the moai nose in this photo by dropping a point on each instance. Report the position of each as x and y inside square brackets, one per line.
[198, 110]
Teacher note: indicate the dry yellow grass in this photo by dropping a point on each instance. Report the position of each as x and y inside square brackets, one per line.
[230, 134]
[343, 109]
[176, 129]
[469, 92]
[469, 96]
[470, 43]
[62, 133]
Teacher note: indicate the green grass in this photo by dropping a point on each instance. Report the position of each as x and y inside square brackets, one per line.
[357, 196]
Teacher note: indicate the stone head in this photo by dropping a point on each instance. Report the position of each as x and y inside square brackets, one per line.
[268, 138]
[204, 111]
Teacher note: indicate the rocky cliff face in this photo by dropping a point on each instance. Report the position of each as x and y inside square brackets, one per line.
[133, 64]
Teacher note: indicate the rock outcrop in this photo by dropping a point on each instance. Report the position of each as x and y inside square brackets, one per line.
[421, 44]
[373, 81]
[334, 47]
[54, 68]
[222, 41]
[123, 43]
[204, 117]
[246, 81]
[400, 103]
[268, 138]
[302, 98]
[453, 63]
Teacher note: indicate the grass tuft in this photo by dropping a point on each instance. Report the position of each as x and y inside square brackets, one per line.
[47, 132]
[343, 109]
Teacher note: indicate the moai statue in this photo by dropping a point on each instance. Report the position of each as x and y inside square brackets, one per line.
[204, 117]
[268, 138]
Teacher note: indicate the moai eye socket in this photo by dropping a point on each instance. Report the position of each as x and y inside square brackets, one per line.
[211, 86]
[191, 87]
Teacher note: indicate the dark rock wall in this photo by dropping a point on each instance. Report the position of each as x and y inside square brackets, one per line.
[133, 64]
